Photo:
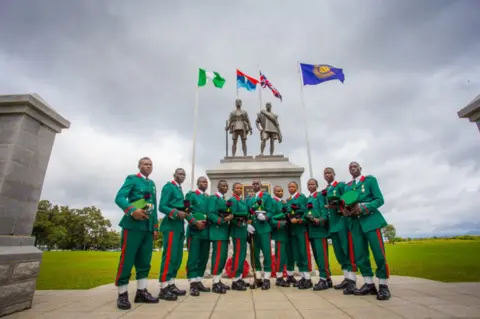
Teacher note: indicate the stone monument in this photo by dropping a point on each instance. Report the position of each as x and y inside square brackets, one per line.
[28, 126]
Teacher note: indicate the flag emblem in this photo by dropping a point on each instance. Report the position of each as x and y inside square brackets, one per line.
[322, 71]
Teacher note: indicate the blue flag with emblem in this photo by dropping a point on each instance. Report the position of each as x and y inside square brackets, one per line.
[316, 74]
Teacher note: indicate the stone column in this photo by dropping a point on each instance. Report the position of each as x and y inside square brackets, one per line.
[28, 126]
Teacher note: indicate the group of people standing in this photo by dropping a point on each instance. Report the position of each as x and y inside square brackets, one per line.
[297, 225]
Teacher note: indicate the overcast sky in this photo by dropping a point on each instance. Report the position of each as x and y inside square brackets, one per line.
[124, 73]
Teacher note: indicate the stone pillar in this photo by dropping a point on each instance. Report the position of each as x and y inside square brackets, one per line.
[28, 126]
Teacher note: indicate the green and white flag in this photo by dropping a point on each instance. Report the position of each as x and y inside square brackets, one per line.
[204, 76]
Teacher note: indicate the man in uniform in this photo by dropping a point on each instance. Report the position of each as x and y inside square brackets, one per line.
[239, 125]
[267, 124]
[341, 239]
[219, 216]
[139, 229]
[366, 222]
[197, 240]
[260, 206]
[173, 206]
[279, 235]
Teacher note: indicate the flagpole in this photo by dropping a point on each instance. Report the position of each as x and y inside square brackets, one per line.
[305, 119]
[195, 120]
[236, 83]
[260, 89]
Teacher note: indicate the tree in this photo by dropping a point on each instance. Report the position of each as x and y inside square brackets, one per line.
[390, 232]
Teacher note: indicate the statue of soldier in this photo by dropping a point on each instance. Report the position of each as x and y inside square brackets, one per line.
[239, 125]
[269, 128]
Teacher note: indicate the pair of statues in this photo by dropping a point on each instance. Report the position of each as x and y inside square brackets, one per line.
[267, 123]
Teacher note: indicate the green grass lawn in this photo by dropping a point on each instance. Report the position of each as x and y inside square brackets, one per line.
[443, 260]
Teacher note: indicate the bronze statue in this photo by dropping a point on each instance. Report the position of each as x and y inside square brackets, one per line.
[239, 125]
[267, 124]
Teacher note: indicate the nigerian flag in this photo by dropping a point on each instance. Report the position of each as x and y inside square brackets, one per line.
[215, 77]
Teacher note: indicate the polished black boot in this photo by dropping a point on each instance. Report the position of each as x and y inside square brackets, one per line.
[223, 285]
[366, 289]
[166, 294]
[201, 287]
[321, 285]
[299, 283]
[258, 283]
[341, 285]
[266, 284]
[330, 283]
[305, 284]
[280, 282]
[174, 290]
[122, 301]
[383, 292]
[194, 290]
[218, 289]
[350, 287]
[143, 296]
[292, 280]
[237, 285]
[244, 283]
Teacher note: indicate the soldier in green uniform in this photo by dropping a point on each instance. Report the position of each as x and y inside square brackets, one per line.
[260, 207]
[339, 233]
[279, 234]
[139, 229]
[219, 216]
[366, 222]
[173, 206]
[296, 206]
[198, 243]
[239, 227]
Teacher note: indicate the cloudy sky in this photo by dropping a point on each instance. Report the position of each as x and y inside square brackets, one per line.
[124, 73]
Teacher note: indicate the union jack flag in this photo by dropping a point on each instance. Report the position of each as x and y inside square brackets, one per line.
[264, 82]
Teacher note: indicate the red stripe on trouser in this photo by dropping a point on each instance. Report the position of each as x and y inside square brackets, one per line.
[380, 241]
[277, 264]
[188, 248]
[350, 252]
[217, 257]
[325, 256]
[237, 249]
[167, 259]
[122, 260]
[309, 256]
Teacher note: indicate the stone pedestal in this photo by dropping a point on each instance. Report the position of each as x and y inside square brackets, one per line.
[27, 131]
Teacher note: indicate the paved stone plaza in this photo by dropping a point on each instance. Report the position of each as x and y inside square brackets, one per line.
[412, 298]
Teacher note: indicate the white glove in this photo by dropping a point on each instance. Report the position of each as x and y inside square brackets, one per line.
[261, 216]
[250, 229]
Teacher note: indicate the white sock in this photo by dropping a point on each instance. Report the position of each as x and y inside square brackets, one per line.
[163, 284]
[216, 279]
[267, 275]
[290, 273]
[238, 278]
[259, 274]
[199, 279]
[122, 289]
[142, 283]
[171, 281]
[306, 275]
[192, 280]
[383, 281]
[279, 275]
[352, 276]
[345, 273]
[324, 279]
[368, 280]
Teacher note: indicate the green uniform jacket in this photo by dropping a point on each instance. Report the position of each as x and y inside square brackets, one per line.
[336, 221]
[318, 211]
[238, 229]
[370, 199]
[279, 226]
[219, 228]
[261, 226]
[199, 204]
[301, 201]
[134, 188]
[171, 201]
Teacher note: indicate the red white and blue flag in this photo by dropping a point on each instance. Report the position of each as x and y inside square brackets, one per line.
[264, 82]
[246, 82]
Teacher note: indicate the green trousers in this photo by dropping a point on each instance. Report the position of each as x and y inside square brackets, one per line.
[289, 252]
[320, 253]
[341, 249]
[239, 254]
[280, 256]
[262, 243]
[219, 256]
[198, 251]
[361, 242]
[301, 251]
[137, 249]
[172, 255]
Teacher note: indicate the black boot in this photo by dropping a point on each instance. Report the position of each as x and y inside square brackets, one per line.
[299, 283]
[166, 294]
[321, 285]
[350, 287]
[329, 282]
[292, 280]
[306, 284]
[266, 284]
[143, 296]
[122, 301]
[201, 287]
[258, 283]
[280, 282]
[223, 285]
[366, 289]
[194, 290]
[237, 285]
[218, 289]
[174, 290]
[341, 285]
[383, 292]
[244, 283]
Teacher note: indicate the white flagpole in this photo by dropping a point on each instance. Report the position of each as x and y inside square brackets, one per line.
[305, 118]
[195, 120]
[260, 89]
